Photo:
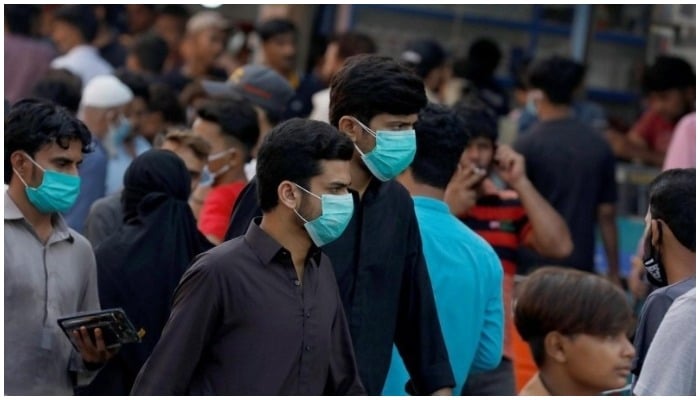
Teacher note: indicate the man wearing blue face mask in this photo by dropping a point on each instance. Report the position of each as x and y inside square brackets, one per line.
[262, 314]
[101, 110]
[378, 260]
[49, 268]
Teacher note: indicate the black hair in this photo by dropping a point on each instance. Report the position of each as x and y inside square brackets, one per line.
[558, 77]
[667, 73]
[138, 84]
[440, 141]
[480, 120]
[174, 10]
[82, 17]
[163, 99]
[151, 51]
[61, 87]
[672, 200]
[292, 151]
[570, 302]
[236, 117]
[423, 56]
[354, 43]
[481, 62]
[33, 124]
[20, 18]
[274, 27]
[370, 85]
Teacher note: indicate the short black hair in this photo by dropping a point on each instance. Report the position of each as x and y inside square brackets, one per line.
[137, 83]
[353, 43]
[292, 151]
[274, 27]
[570, 302]
[82, 17]
[370, 85]
[481, 62]
[163, 99]
[236, 117]
[61, 87]
[33, 124]
[668, 73]
[480, 120]
[440, 141]
[151, 51]
[423, 56]
[558, 77]
[174, 10]
[672, 200]
[20, 18]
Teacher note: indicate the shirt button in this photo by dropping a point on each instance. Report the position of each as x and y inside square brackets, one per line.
[308, 348]
[308, 315]
[297, 282]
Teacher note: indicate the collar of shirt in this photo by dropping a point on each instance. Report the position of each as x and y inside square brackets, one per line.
[432, 204]
[60, 228]
[83, 50]
[267, 248]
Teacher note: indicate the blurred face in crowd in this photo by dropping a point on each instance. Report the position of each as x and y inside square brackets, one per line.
[331, 62]
[136, 112]
[672, 104]
[281, 52]
[152, 123]
[205, 46]
[100, 120]
[194, 165]
[224, 156]
[171, 29]
[140, 17]
[479, 152]
[65, 36]
[598, 363]
[437, 77]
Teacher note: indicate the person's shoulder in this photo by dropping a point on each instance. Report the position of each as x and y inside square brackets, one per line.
[225, 256]
[79, 242]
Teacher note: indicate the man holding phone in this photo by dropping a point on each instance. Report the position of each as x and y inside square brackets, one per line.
[49, 268]
[506, 218]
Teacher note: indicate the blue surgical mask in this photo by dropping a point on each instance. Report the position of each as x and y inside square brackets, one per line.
[336, 212]
[120, 131]
[392, 153]
[56, 193]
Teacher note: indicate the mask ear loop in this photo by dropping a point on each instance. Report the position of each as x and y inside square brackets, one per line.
[33, 162]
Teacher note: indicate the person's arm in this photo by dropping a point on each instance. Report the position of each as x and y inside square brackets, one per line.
[460, 194]
[490, 350]
[418, 335]
[652, 314]
[195, 312]
[608, 232]
[343, 374]
[549, 236]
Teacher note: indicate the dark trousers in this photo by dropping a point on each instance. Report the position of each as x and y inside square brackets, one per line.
[496, 382]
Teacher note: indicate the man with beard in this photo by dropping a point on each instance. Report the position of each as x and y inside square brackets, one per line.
[669, 251]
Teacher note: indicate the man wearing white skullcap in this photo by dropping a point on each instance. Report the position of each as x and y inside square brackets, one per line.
[102, 110]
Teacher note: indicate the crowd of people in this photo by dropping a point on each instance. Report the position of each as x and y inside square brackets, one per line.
[357, 228]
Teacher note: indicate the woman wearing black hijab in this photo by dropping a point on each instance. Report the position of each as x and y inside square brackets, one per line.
[139, 266]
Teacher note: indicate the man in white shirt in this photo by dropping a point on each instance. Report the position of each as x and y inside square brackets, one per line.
[74, 29]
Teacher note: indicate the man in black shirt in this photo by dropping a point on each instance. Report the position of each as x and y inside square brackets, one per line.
[378, 260]
[571, 165]
[261, 314]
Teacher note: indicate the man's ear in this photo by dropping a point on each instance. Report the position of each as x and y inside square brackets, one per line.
[286, 194]
[655, 227]
[349, 127]
[555, 346]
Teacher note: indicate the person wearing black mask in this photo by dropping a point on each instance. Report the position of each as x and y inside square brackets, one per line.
[139, 266]
[669, 251]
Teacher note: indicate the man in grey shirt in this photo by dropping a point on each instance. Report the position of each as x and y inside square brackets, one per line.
[669, 251]
[49, 268]
[669, 369]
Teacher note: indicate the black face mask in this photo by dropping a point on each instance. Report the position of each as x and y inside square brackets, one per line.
[656, 273]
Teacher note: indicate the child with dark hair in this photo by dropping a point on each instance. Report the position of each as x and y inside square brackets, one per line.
[577, 325]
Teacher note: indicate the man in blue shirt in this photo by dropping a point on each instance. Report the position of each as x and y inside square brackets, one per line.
[465, 271]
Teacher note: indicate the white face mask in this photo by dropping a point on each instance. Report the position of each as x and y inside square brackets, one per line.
[208, 176]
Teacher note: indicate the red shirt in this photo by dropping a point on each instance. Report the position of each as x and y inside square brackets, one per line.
[217, 208]
[655, 130]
